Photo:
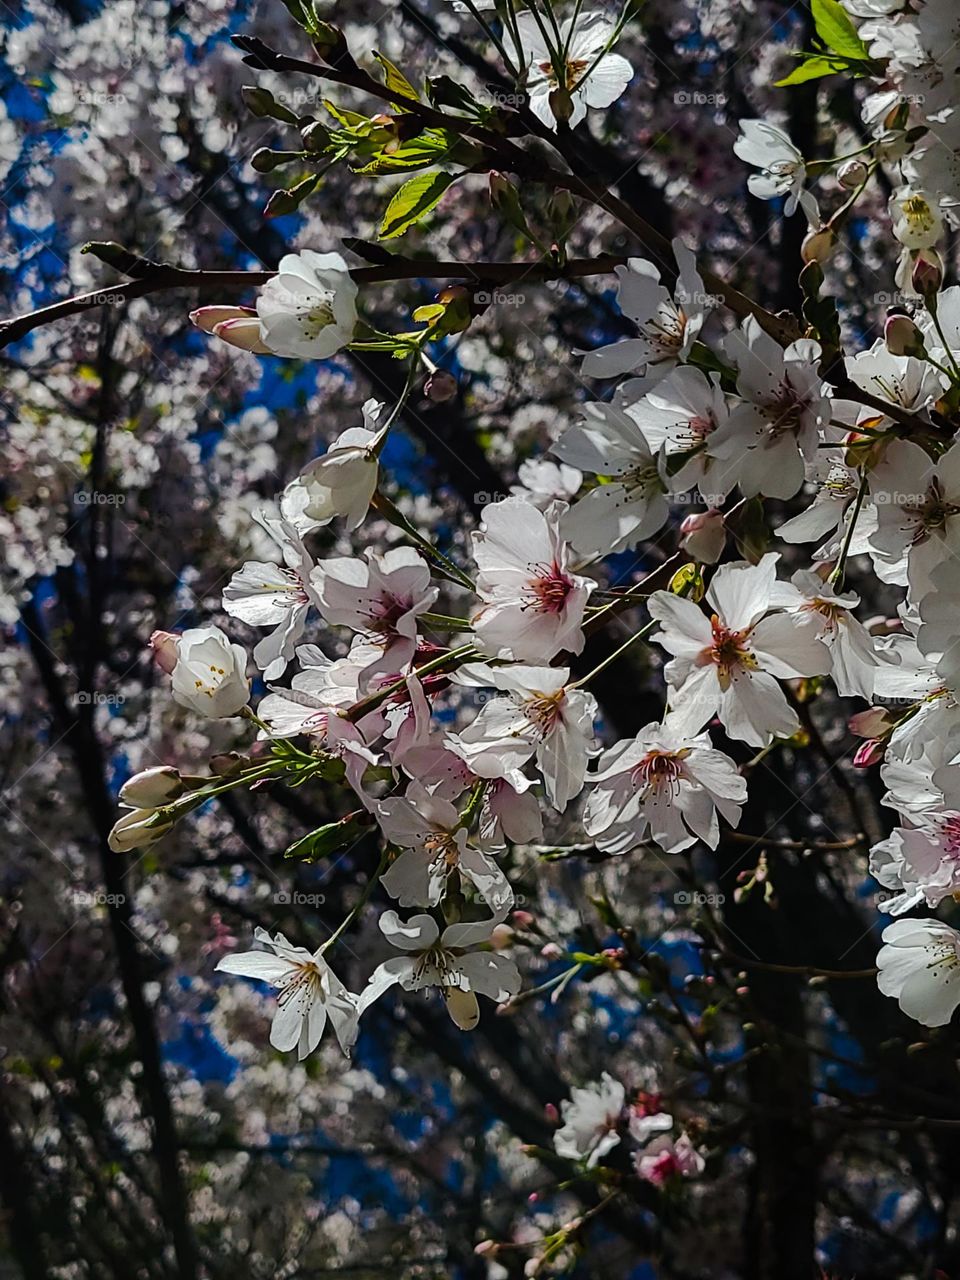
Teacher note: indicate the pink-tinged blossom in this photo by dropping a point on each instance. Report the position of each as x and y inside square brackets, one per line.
[308, 994]
[238, 326]
[728, 663]
[920, 864]
[918, 514]
[776, 428]
[532, 601]
[537, 716]
[662, 786]
[667, 1159]
[853, 653]
[379, 596]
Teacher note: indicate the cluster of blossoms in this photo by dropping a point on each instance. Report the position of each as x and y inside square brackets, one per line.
[448, 803]
[598, 1117]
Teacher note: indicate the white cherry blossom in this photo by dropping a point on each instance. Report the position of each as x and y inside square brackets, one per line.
[538, 716]
[634, 506]
[668, 326]
[446, 961]
[593, 76]
[435, 846]
[262, 594]
[309, 309]
[308, 994]
[919, 967]
[591, 1119]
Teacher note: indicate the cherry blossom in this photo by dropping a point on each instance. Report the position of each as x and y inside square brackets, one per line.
[728, 664]
[446, 961]
[308, 993]
[593, 77]
[532, 602]
[664, 786]
[309, 309]
[591, 1118]
[919, 966]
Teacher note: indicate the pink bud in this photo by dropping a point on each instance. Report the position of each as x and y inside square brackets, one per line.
[207, 318]
[551, 1113]
[704, 536]
[875, 722]
[522, 919]
[869, 753]
[927, 276]
[165, 646]
[551, 951]
[243, 332]
[486, 1248]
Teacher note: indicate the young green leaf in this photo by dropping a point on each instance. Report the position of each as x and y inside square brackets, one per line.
[414, 201]
[836, 30]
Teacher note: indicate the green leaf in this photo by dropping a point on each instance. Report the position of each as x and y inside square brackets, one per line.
[836, 30]
[813, 69]
[325, 841]
[395, 80]
[414, 201]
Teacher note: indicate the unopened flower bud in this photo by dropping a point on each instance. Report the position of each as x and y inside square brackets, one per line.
[703, 534]
[927, 275]
[316, 137]
[522, 919]
[264, 160]
[875, 722]
[902, 337]
[852, 174]
[165, 646]
[561, 104]
[152, 787]
[440, 386]
[501, 937]
[550, 951]
[551, 1114]
[486, 1249]
[818, 245]
[869, 753]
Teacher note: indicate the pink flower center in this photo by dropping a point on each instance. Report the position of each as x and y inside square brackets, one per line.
[548, 588]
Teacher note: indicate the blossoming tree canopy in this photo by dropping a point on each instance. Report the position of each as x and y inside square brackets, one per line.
[558, 651]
